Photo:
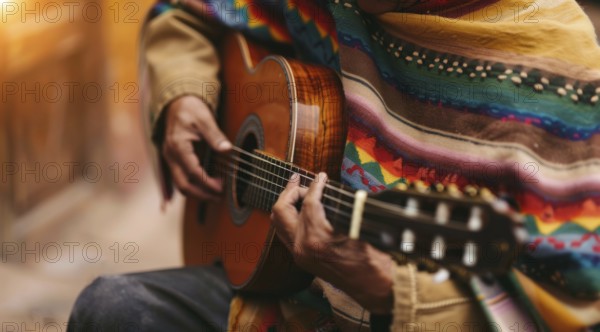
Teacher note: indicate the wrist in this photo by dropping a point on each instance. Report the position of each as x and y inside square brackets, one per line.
[382, 302]
[381, 298]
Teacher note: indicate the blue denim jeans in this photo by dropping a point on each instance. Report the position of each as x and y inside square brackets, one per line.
[185, 299]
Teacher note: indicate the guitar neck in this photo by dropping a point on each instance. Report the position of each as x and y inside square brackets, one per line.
[438, 227]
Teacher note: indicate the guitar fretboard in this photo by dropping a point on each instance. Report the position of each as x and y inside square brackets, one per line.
[268, 177]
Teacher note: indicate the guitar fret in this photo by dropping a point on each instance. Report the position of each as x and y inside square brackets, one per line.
[258, 181]
[263, 185]
[332, 212]
[269, 202]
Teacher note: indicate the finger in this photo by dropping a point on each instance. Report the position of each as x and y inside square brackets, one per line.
[284, 213]
[316, 187]
[186, 187]
[182, 152]
[285, 207]
[313, 207]
[315, 191]
[210, 132]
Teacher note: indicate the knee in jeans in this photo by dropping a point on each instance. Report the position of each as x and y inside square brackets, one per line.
[110, 291]
[108, 300]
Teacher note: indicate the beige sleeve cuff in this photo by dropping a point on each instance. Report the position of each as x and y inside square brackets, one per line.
[181, 59]
[421, 303]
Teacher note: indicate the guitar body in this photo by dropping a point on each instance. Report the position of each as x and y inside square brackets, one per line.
[285, 109]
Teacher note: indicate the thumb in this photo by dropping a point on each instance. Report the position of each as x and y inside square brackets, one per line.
[214, 136]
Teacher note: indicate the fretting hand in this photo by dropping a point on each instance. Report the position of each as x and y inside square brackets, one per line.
[355, 267]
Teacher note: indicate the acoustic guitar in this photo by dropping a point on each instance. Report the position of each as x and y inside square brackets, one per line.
[286, 117]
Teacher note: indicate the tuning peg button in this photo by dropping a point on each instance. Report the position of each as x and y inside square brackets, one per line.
[412, 207]
[470, 254]
[439, 187]
[454, 191]
[442, 213]
[408, 241]
[501, 206]
[401, 186]
[487, 195]
[438, 248]
[421, 186]
[470, 190]
[475, 220]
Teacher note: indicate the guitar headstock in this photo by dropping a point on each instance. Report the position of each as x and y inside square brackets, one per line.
[468, 232]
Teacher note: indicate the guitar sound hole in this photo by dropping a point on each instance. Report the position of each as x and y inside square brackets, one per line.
[245, 172]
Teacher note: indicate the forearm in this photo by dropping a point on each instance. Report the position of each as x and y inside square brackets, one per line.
[181, 59]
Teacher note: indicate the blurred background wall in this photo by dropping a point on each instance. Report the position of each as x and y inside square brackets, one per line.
[77, 194]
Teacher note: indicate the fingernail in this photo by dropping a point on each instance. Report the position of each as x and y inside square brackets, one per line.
[225, 145]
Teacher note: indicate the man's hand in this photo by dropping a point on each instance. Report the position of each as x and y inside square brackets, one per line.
[353, 266]
[190, 120]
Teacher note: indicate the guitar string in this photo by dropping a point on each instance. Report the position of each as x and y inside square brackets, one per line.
[365, 231]
[375, 211]
[339, 212]
[255, 156]
[348, 204]
[338, 200]
[331, 198]
[379, 205]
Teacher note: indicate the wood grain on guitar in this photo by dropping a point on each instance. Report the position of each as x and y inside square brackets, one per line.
[285, 118]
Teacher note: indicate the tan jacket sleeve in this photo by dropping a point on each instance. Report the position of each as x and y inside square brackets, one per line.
[181, 59]
[422, 304]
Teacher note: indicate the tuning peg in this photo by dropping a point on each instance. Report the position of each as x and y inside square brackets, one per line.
[470, 254]
[408, 241]
[487, 195]
[442, 213]
[453, 190]
[401, 186]
[421, 186]
[412, 207]
[438, 248]
[439, 187]
[501, 206]
[470, 190]
[475, 222]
